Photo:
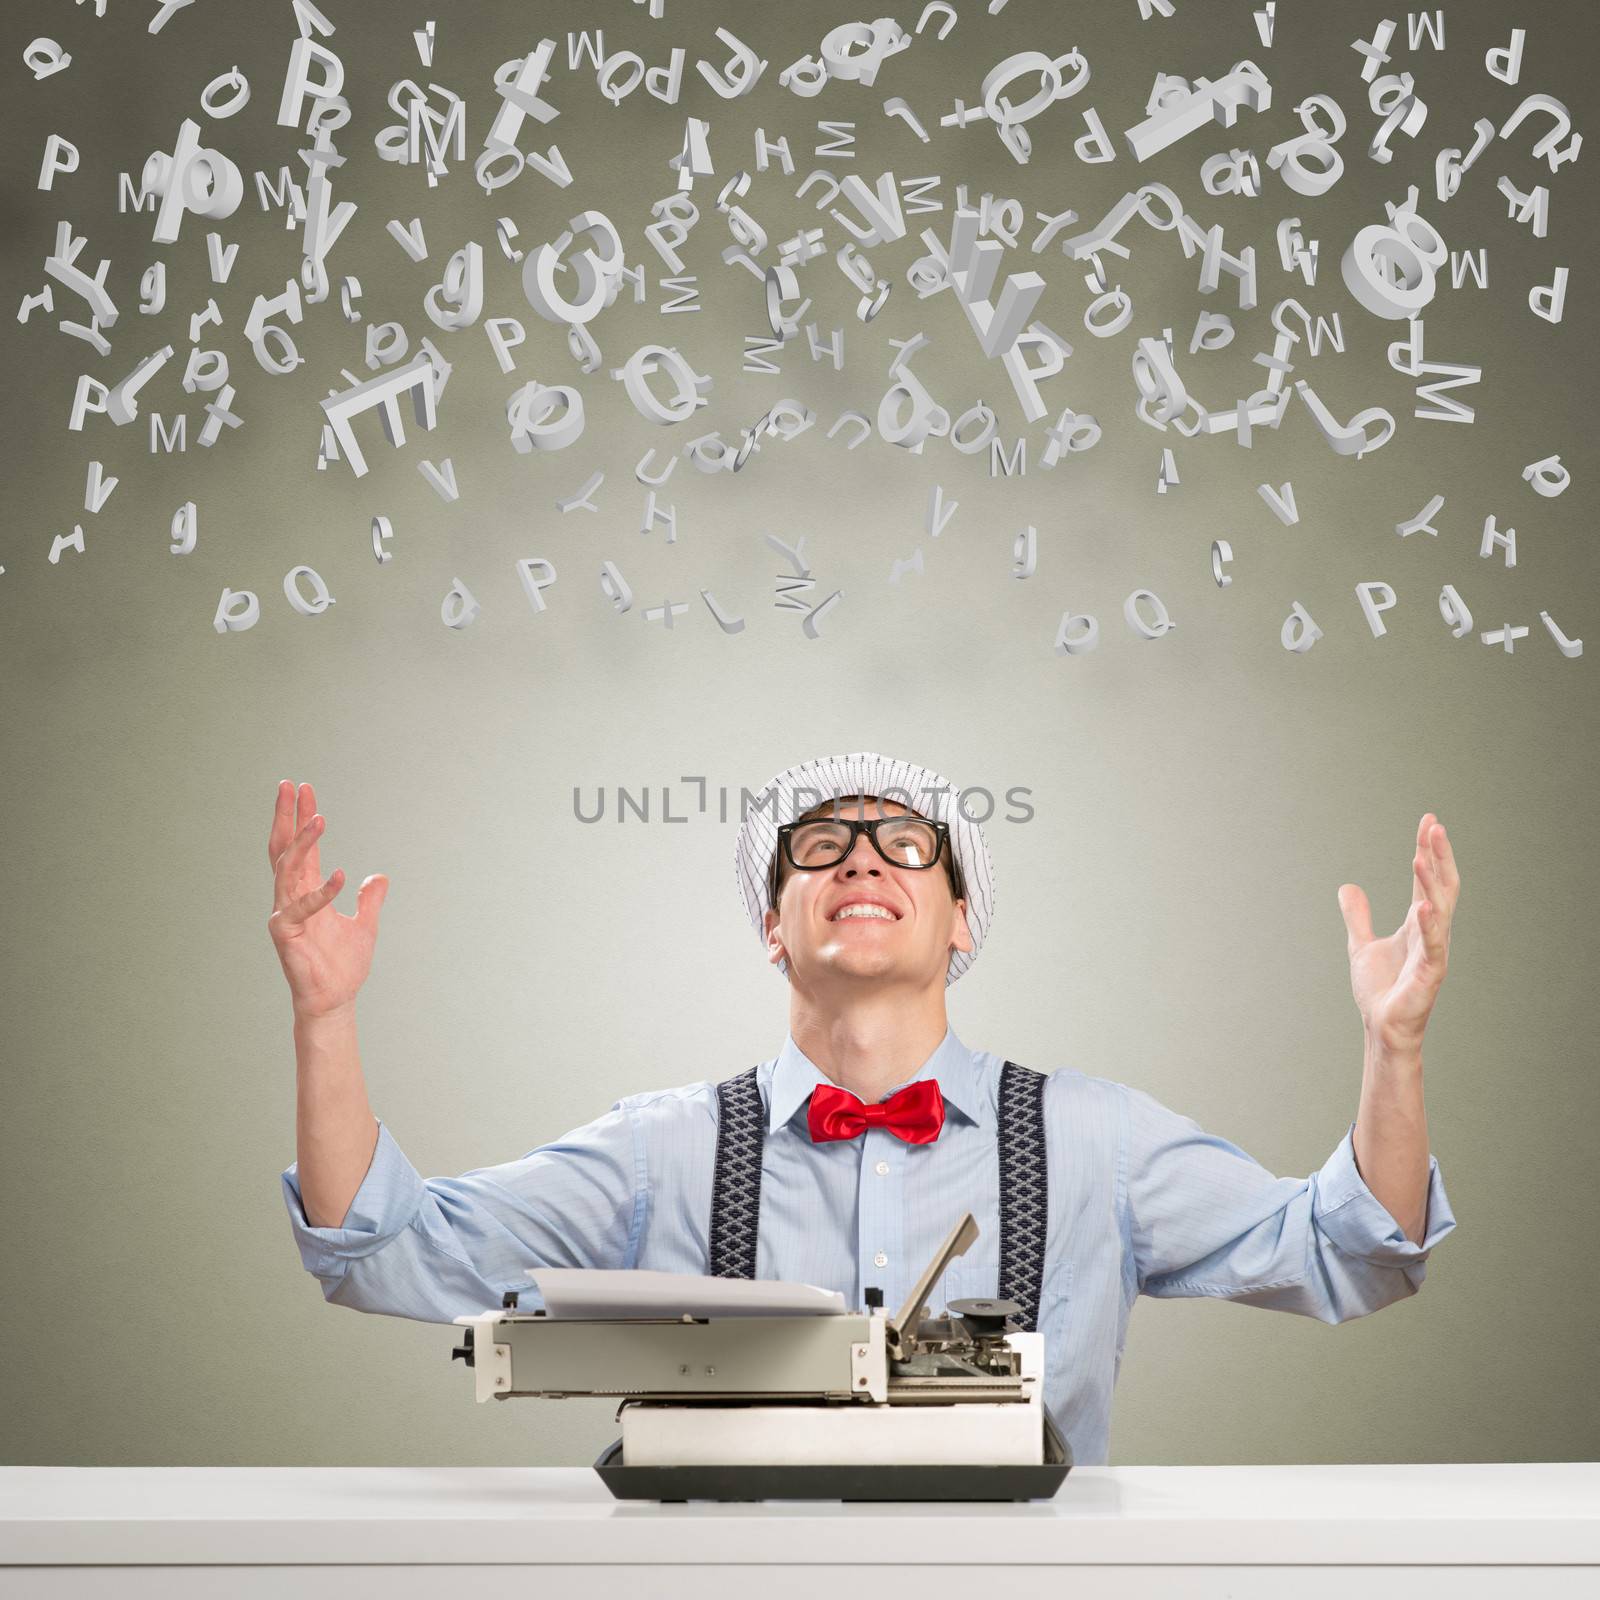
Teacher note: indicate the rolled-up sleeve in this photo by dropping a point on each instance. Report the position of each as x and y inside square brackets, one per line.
[1202, 1217]
[1350, 1214]
[435, 1249]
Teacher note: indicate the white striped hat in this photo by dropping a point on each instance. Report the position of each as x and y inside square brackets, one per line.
[813, 783]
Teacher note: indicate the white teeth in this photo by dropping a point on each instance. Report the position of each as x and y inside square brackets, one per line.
[864, 910]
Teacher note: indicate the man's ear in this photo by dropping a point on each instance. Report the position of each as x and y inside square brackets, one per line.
[962, 939]
[769, 924]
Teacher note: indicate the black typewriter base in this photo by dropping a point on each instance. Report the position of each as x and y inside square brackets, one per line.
[841, 1482]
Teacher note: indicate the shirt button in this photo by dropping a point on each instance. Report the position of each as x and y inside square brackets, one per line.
[880, 1260]
[882, 1169]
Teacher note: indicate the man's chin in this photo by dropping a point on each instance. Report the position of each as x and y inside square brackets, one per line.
[864, 965]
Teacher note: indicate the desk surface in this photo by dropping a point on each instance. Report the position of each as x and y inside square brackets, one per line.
[1515, 1513]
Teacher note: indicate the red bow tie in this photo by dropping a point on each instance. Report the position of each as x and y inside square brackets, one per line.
[915, 1113]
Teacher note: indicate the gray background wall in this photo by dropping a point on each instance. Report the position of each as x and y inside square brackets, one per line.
[1168, 916]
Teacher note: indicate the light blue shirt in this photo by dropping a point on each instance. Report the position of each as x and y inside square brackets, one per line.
[1142, 1201]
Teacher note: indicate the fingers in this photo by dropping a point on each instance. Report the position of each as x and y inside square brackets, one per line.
[305, 804]
[309, 904]
[1446, 858]
[298, 861]
[282, 823]
[1425, 880]
[1357, 915]
[1434, 886]
[303, 841]
[308, 818]
[1434, 869]
[1433, 930]
[291, 810]
[1437, 885]
[370, 898]
[1434, 843]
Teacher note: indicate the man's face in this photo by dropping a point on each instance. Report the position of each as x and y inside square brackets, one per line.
[913, 948]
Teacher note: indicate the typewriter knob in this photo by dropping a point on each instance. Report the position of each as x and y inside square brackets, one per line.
[985, 1316]
[464, 1352]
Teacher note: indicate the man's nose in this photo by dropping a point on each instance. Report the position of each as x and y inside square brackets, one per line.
[865, 849]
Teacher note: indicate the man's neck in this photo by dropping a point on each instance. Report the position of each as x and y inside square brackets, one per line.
[869, 1046]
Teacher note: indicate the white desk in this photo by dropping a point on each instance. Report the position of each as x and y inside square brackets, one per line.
[1521, 1529]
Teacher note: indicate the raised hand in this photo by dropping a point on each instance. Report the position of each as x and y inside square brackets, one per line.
[1396, 980]
[325, 955]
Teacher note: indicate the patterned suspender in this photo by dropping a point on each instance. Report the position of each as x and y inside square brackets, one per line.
[1024, 1189]
[1024, 1183]
[736, 1185]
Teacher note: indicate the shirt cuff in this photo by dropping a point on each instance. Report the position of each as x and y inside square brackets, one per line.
[389, 1198]
[1355, 1219]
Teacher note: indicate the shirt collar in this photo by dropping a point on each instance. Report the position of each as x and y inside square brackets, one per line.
[795, 1075]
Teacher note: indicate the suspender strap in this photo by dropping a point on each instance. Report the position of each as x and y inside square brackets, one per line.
[736, 1183]
[1024, 1189]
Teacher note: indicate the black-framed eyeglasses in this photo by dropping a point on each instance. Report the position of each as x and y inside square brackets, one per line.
[916, 843]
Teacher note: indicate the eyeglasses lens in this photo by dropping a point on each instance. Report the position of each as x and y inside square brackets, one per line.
[906, 842]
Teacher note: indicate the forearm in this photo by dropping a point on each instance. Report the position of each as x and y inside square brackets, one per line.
[335, 1130]
[1391, 1135]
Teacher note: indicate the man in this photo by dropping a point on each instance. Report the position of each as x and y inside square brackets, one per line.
[845, 1160]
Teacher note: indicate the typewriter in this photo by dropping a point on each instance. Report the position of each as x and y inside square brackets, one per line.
[730, 1398]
